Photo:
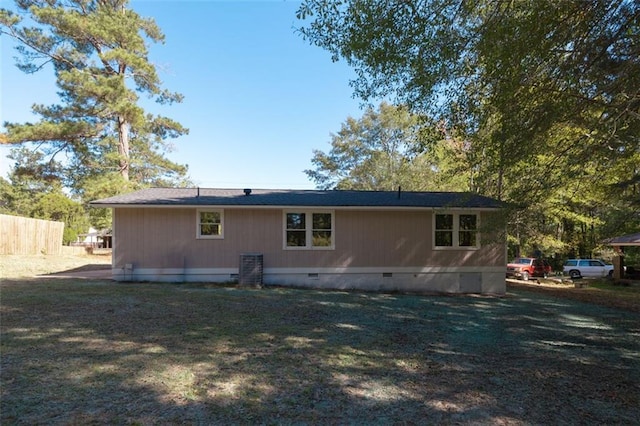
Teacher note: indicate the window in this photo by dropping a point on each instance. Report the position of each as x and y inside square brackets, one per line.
[456, 230]
[296, 230]
[308, 230]
[210, 224]
[468, 230]
[444, 230]
[321, 231]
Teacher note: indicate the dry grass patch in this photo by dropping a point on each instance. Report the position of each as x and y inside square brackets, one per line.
[87, 352]
[597, 291]
[21, 266]
[82, 352]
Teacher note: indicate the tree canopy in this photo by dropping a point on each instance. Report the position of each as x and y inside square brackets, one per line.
[35, 190]
[384, 150]
[545, 94]
[518, 78]
[99, 53]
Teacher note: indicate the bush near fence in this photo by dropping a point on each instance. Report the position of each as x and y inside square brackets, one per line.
[22, 235]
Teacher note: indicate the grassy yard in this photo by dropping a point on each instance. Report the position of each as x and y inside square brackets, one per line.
[98, 352]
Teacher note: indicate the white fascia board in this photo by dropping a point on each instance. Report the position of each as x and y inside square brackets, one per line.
[290, 207]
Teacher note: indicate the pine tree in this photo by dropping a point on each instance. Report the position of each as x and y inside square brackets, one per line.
[99, 53]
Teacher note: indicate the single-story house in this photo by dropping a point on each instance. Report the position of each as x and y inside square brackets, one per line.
[367, 240]
[94, 238]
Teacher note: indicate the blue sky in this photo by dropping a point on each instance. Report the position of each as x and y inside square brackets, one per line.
[258, 98]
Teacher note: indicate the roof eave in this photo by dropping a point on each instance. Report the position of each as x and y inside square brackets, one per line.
[297, 206]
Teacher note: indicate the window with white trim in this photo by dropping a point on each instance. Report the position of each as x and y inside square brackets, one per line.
[455, 230]
[210, 223]
[310, 230]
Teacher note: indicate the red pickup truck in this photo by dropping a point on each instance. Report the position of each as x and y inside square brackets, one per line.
[526, 267]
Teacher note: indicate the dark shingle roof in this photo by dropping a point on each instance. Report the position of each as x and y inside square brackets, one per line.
[625, 240]
[298, 198]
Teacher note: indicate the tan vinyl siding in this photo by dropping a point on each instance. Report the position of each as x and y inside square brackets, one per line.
[166, 238]
[370, 238]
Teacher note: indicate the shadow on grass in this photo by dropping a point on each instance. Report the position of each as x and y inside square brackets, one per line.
[105, 352]
[84, 268]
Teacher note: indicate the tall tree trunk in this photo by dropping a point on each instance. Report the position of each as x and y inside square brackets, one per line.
[123, 123]
[123, 147]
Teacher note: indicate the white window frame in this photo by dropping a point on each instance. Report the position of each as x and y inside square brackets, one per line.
[308, 229]
[456, 230]
[199, 236]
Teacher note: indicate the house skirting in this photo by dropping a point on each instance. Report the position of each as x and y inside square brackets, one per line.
[462, 279]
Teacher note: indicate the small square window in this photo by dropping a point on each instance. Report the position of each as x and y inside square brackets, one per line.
[210, 224]
[296, 220]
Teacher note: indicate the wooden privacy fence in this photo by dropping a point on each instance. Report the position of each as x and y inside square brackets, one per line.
[22, 235]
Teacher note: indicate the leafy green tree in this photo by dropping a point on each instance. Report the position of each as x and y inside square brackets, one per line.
[546, 95]
[99, 53]
[7, 197]
[55, 205]
[507, 73]
[29, 177]
[368, 153]
[384, 150]
[35, 190]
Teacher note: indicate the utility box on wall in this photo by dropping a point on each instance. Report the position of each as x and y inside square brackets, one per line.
[250, 271]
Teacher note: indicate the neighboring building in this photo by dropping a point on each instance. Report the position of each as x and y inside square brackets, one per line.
[619, 244]
[94, 238]
[365, 240]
